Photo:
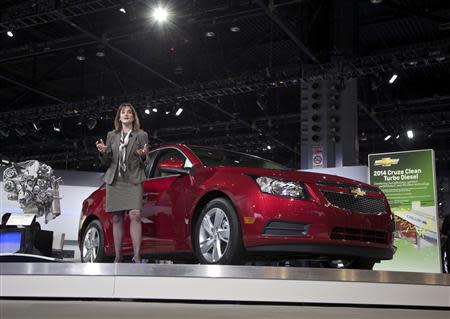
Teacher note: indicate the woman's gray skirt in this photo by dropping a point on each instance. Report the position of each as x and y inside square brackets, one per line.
[122, 195]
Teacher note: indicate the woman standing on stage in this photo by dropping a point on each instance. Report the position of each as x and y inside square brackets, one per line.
[125, 154]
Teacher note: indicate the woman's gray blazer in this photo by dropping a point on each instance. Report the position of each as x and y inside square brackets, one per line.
[135, 163]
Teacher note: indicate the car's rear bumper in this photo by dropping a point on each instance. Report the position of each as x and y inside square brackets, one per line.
[373, 253]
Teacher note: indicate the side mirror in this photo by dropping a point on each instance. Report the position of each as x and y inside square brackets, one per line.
[173, 166]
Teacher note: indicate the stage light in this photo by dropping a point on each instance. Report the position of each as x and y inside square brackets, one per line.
[160, 14]
[123, 10]
[210, 34]
[155, 110]
[179, 111]
[335, 138]
[334, 119]
[393, 78]
[387, 137]
[91, 123]
[261, 102]
[268, 147]
[167, 112]
[363, 137]
[57, 127]
[315, 96]
[100, 53]
[80, 56]
[410, 134]
[334, 107]
[10, 34]
[397, 137]
[334, 129]
[4, 132]
[37, 126]
[147, 111]
[20, 131]
[235, 29]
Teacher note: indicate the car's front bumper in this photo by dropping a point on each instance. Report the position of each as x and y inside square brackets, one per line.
[329, 250]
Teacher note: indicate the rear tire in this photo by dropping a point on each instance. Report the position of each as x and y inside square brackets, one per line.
[92, 243]
[217, 234]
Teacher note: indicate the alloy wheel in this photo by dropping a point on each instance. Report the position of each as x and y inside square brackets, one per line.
[214, 235]
[91, 245]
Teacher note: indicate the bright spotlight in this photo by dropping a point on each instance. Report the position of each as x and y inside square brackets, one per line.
[155, 109]
[57, 127]
[123, 10]
[147, 111]
[160, 14]
[268, 147]
[179, 111]
[10, 34]
[393, 78]
[37, 126]
[387, 137]
[410, 133]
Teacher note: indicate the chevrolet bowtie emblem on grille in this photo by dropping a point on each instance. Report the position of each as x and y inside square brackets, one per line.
[386, 161]
[357, 192]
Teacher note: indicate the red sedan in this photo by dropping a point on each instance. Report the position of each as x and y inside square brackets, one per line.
[222, 207]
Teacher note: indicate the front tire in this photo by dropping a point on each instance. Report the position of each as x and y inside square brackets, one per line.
[217, 234]
[92, 243]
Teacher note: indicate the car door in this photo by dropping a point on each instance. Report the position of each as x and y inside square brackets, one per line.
[163, 209]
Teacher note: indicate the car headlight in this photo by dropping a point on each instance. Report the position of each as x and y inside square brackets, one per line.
[282, 188]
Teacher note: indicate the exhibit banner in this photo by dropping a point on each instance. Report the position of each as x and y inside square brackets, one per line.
[409, 182]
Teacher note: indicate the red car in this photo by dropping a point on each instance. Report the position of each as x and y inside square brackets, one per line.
[222, 207]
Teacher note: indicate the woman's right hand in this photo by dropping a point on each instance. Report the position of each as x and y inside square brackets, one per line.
[100, 146]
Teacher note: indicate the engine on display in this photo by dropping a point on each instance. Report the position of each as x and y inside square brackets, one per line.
[34, 186]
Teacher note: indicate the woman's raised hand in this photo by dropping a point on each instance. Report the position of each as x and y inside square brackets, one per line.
[143, 151]
[100, 146]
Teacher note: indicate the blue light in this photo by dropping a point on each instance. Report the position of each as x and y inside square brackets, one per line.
[10, 242]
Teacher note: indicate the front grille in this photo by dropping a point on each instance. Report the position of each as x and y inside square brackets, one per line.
[360, 204]
[365, 235]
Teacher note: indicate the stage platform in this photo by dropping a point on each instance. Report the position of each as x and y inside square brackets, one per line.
[214, 283]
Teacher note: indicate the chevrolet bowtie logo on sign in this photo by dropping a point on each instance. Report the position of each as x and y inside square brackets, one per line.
[386, 161]
[357, 192]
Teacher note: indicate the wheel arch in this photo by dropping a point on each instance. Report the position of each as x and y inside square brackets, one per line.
[206, 198]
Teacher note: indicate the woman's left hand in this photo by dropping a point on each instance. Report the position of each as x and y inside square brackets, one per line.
[142, 151]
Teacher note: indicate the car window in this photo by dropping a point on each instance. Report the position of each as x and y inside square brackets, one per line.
[151, 160]
[166, 154]
[216, 157]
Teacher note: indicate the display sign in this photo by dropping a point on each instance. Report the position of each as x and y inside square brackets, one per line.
[409, 183]
[317, 156]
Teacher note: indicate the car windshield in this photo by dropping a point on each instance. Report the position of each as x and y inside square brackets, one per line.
[213, 157]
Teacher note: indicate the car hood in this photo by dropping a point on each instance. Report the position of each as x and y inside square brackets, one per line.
[292, 175]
